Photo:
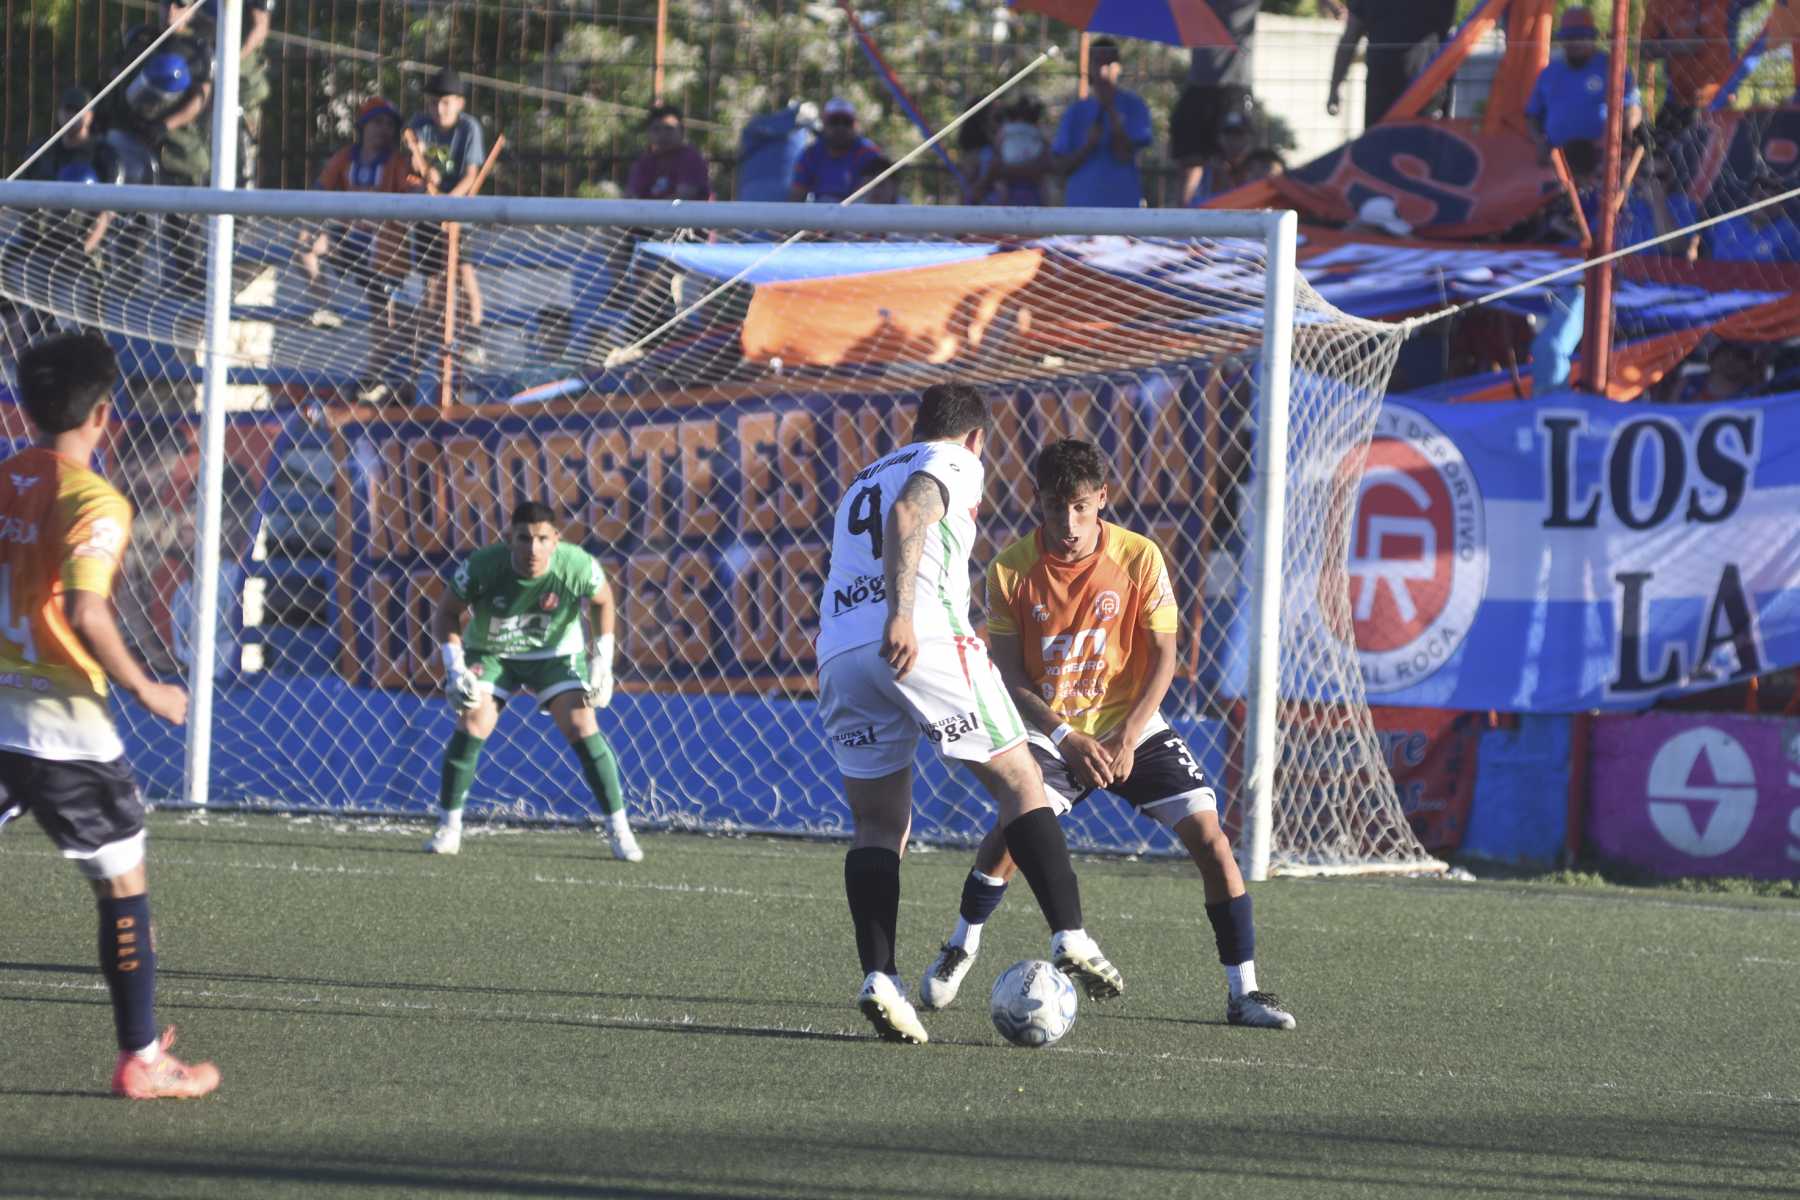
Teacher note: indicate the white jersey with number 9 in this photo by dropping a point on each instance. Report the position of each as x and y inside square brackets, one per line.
[853, 607]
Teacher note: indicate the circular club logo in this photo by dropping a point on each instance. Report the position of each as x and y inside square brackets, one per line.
[1702, 792]
[1106, 605]
[1417, 561]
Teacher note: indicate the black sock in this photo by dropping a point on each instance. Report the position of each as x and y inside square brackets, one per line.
[979, 899]
[128, 961]
[872, 884]
[1233, 929]
[1036, 843]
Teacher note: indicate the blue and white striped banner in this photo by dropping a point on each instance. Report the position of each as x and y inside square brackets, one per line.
[1574, 553]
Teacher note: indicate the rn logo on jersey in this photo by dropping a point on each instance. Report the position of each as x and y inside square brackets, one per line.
[1418, 557]
[1702, 792]
[1073, 645]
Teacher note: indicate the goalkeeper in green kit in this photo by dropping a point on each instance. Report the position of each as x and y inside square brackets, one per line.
[522, 601]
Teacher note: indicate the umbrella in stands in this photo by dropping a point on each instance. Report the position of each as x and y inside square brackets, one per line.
[1177, 22]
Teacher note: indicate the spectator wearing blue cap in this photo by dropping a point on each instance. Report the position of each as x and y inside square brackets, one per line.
[1568, 102]
[369, 254]
[165, 100]
[254, 87]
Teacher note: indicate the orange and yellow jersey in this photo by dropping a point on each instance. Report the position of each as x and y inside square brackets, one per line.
[1084, 627]
[62, 528]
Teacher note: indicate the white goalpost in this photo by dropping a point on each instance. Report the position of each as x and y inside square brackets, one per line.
[697, 447]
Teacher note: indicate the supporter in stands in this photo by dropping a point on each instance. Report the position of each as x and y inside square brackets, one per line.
[1349, 42]
[1731, 371]
[253, 70]
[1218, 85]
[977, 159]
[1231, 167]
[828, 170]
[1403, 39]
[55, 255]
[1099, 138]
[1764, 235]
[369, 255]
[670, 169]
[446, 148]
[165, 101]
[1693, 40]
[1568, 101]
[1022, 152]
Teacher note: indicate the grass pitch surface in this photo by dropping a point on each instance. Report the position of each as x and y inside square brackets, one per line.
[534, 1019]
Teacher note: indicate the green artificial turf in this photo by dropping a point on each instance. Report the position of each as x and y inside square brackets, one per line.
[535, 1019]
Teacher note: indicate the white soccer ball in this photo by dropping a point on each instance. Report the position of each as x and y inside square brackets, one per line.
[1033, 1003]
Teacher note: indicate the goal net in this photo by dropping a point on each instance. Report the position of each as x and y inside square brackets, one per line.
[689, 400]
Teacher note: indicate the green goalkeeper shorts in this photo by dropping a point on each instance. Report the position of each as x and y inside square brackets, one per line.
[544, 678]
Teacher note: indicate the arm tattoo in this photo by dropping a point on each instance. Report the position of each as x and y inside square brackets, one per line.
[919, 506]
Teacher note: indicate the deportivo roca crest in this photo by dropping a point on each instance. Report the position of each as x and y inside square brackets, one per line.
[1418, 554]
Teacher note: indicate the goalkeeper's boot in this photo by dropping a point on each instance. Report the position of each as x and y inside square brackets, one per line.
[445, 839]
[939, 985]
[1078, 956]
[889, 1011]
[1259, 1010]
[625, 846]
[167, 1078]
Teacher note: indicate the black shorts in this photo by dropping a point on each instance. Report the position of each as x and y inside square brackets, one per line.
[430, 248]
[1194, 121]
[83, 806]
[1163, 774]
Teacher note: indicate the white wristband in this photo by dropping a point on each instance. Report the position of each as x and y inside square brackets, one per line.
[1060, 732]
[602, 649]
[453, 658]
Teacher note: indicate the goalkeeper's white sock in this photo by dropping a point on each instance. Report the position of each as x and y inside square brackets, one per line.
[451, 818]
[1241, 977]
[618, 822]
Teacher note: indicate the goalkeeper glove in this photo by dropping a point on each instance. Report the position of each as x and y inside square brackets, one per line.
[461, 686]
[600, 671]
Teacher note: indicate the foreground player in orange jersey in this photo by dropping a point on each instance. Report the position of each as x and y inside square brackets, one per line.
[63, 530]
[1081, 622]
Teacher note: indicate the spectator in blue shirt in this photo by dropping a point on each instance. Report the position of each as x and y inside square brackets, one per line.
[837, 163]
[1098, 141]
[1765, 235]
[1569, 99]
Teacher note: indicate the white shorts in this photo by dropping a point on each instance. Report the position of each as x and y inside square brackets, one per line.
[953, 695]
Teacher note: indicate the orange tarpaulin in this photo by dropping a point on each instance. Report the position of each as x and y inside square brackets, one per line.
[928, 313]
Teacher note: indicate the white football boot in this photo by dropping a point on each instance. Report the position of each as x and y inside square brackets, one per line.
[625, 846]
[939, 985]
[1078, 956]
[444, 840]
[889, 1011]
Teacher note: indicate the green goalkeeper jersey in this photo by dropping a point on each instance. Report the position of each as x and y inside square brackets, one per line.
[515, 617]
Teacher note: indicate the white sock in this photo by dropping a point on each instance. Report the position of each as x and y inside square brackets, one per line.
[967, 936]
[150, 1053]
[990, 880]
[1241, 978]
[451, 818]
[618, 822]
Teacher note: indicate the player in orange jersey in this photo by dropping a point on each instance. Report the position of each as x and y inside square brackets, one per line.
[63, 531]
[1081, 624]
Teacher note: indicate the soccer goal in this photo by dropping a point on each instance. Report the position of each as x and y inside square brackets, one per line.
[689, 387]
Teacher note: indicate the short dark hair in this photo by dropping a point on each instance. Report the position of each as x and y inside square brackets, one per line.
[62, 378]
[950, 410]
[659, 111]
[532, 512]
[1068, 467]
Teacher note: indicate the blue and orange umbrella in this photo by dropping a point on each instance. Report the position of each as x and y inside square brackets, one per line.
[1176, 22]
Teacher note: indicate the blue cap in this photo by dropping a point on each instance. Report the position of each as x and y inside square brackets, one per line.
[161, 84]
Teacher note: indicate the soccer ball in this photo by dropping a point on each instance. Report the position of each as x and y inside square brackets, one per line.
[1033, 1003]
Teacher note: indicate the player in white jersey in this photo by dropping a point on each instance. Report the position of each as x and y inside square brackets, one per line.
[898, 659]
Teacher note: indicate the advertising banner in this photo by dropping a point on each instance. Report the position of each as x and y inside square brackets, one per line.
[1686, 794]
[1432, 757]
[1573, 553]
